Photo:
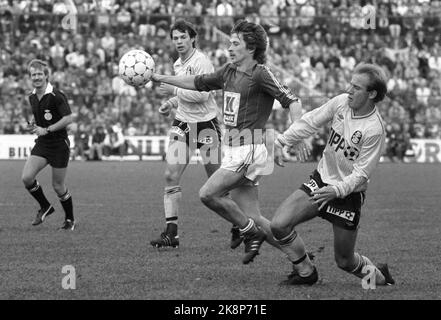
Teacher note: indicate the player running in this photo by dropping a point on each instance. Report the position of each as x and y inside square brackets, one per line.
[195, 113]
[249, 89]
[52, 115]
[336, 190]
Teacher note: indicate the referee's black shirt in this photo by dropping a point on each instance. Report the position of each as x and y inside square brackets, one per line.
[49, 110]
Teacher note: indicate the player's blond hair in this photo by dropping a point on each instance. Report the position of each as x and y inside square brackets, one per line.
[377, 79]
[39, 64]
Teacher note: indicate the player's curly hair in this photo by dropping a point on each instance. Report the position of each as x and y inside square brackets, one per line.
[39, 64]
[255, 38]
[377, 77]
[182, 26]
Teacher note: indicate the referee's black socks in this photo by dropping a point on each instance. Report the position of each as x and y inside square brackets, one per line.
[66, 202]
[37, 192]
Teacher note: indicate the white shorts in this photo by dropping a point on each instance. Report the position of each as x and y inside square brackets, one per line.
[252, 158]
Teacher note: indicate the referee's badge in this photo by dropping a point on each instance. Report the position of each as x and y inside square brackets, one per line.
[47, 115]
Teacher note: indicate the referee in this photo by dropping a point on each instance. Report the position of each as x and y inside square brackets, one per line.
[52, 114]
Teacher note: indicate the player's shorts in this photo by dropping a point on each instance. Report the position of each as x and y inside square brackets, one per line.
[197, 134]
[56, 153]
[250, 157]
[343, 212]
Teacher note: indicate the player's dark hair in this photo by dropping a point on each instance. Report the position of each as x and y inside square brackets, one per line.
[39, 64]
[377, 79]
[182, 26]
[255, 38]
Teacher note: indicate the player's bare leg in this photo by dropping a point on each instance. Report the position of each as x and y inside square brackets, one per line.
[213, 195]
[33, 165]
[350, 261]
[58, 183]
[297, 208]
[212, 159]
[178, 156]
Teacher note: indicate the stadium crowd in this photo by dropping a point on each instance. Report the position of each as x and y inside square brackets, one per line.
[314, 45]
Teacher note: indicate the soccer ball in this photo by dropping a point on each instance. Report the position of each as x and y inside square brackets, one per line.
[136, 67]
[351, 153]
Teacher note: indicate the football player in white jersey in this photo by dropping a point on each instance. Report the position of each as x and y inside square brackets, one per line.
[336, 190]
[195, 126]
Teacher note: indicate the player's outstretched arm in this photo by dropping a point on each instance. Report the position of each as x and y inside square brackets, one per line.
[184, 82]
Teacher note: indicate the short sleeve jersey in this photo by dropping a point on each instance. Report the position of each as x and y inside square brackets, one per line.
[48, 110]
[248, 98]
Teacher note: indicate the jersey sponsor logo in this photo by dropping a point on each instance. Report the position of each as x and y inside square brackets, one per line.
[312, 185]
[231, 108]
[337, 140]
[356, 137]
[345, 214]
[47, 115]
[351, 153]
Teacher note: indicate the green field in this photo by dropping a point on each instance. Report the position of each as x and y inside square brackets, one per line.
[118, 206]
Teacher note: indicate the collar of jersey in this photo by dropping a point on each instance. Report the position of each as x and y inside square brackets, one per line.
[49, 89]
[365, 116]
[250, 69]
[192, 54]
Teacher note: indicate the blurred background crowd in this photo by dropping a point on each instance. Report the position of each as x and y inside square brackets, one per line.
[314, 46]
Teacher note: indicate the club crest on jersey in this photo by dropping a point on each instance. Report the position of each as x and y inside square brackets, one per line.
[356, 137]
[47, 115]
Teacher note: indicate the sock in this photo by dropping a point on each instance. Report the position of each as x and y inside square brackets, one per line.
[363, 261]
[172, 199]
[250, 228]
[37, 192]
[292, 245]
[66, 202]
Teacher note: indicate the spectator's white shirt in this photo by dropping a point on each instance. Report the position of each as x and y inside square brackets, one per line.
[435, 63]
[194, 106]
[350, 135]
[422, 95]
[76, 59]
[347, 62]
[108, 43]
[56, 51]
[59, 8]
[224, 9]
[399, 84]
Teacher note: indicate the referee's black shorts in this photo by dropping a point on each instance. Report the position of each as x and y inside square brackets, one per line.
[56, 153]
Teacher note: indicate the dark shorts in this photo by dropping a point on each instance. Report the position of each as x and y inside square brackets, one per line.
[198, 134]
[343, 212]
[56, 153]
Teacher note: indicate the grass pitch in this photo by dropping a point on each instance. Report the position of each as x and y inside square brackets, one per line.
[118, 207]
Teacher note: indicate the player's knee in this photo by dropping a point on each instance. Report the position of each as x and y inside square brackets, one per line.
[206, 196]
[278, 228]
[27, 179]
[171, 178]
